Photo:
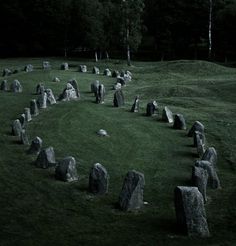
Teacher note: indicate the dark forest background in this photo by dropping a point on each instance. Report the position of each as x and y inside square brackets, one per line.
[159, 29]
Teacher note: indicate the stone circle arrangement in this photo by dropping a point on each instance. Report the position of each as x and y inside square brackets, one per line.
[189, 201]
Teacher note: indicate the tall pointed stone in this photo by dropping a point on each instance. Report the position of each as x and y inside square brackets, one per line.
[46, 158]
[34, 107]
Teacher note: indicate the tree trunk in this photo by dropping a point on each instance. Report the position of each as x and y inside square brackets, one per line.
[210, 30]
[96, 56]
[128, 56]
[107, 55]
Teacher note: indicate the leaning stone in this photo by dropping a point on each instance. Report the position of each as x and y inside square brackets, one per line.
[42, 100]
[100, 95]
[118, 100]
[40, 88]
[102, 133]
[131, 196]
[46, 158]
[68, 94]
[74, 83]
[179, 122]
[50, 97]
[22, 120]
[4, 86]
[16, 86]
[135, 106]
[16, 128]
[27, 114]
[190, 211]
[28, 68]
[24, 138]
[34, 107]
[213, 180]
[210, 155]
[117, 86]
[6, 72]
[167, 115]
[94, 87]
[98, 179]
[65, 66]
[56, 79]
[197, 126]
[66, 170]
[46, 65]
[199, 179]
[107, 72]
[115, 74]
[35, 146]
[96, 70]
[151, 108]
[83, 68]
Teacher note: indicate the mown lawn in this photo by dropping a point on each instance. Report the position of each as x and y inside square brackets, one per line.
[35, 209]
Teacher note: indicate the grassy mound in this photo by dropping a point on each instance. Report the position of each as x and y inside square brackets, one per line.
[38, 210]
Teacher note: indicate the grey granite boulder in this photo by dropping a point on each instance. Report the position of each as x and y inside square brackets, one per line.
[46, 158]
[83, 68]
[102, 133]
[16, 128]
[46, 65]
[199, 179]
[29, 68]
[95, 86]
[117, 86]
[120, 80]
[50, 97]
[96, 70]
[118, 100]
[151, 108]
[16, 86]
[4, 85]
[66, 170]
[24, 137]
[210, 155]
[27, 114]
[22, 120]
[40, 89]
[135, 106]
[115, 73]
[179, 122]
[35, 146]
[98, 179]
[107, 72]
[74, 83]
[69, 93]
[6, 72]
[42, 100]
[34, 107]
[213, 180]
[167, 115]
[199, 142]
[131, 196]
[56, 79]
[100, 95]
[64, 66]
[197, 126]
[190, 212]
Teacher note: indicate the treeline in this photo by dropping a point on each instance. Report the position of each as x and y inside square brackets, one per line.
[148, 29]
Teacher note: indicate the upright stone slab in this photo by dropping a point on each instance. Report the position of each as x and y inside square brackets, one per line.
[94, 87]
[50, 97]
[27, 114]
[65, 66]
[96, 70]
[190, 211]
[120, 80]
[24, 137]
[68, 94]
[29, 68]
[151, 108]
[118, 100]
[213, 180]
[197, 126]
[42, 100]
[66, 170]
[117, 86]
[100, 94]
[98, 179]
[46, 65]
[210, 155]
[199, 179]
[179, 122]
[16, 86]
[107, 72]
[35, 146]
[34, 107]
[6, 72]
[115, 73]
[167, 115]
[83, 68]
[4, 85]
[46, 158]
[16, 128]
[22, 120]
[40, 89]
[135, 106]
[131, 196]
[199, 143]
[74, 83]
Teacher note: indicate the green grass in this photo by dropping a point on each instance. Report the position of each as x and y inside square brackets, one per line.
[35, 209]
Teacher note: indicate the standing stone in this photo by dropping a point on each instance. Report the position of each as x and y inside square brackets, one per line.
[27, 114]
[199, 142]
[199, 179]
[213, 180]
[4, 86]
[179, 122]
[167, 115]
[56, 79]
[115, 74]
[65, 66]
[94, 87]
[100, 94]
[22, 120]
[135, 106]
[46, 158]
[40, 88]
[69, 93]
[151, 108]
[28, 68]
[210, 155]
[120, 80]
[42, 100]
[98, 179]
[34, 107]
[83, 68]
[46, 65]
[107, 72]
[6, 72]
[16, 86]
[117, 86]
[16, 128]
[66, 170]
[131, 196]
[190, 211]
[24, 138]
[118, 98]
[35, 146]
[50, 97]
[197, 126]
[96, 70]
[74, 83]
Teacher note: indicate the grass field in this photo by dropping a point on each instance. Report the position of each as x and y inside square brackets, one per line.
[37, 210]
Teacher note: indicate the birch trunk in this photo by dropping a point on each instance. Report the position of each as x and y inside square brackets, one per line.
[96, 56]
[210, 30]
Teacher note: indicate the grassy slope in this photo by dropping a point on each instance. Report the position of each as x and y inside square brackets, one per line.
[37, 210]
